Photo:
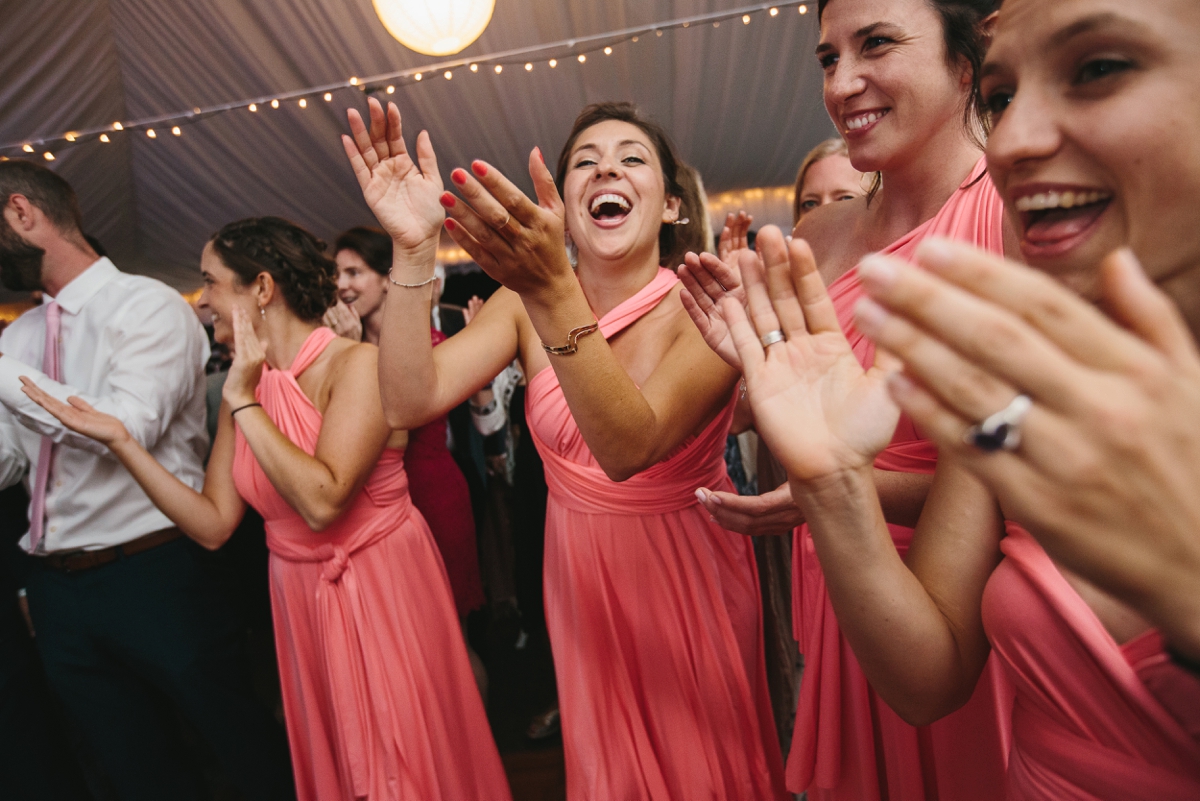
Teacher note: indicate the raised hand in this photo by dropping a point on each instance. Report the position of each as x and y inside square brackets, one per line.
[706, 280]
[249, 355]
[78, 415]
[514, 240]
[473, 307]
[734, 236]
[402, 193]
[816, 408]
[344, 321]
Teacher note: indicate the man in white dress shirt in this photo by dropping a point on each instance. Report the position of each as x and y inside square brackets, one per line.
[125, 615]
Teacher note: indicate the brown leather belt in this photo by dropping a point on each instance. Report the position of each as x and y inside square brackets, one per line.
[75, 561]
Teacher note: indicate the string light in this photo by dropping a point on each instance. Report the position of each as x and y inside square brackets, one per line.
[48, 156]
[586, 45]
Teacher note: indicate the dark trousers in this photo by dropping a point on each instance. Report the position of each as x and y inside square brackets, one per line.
[119, 639]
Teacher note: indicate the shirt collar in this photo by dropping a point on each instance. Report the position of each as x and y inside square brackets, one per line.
[75, 295]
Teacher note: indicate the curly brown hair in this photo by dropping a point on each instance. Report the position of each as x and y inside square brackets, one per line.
[293, 257]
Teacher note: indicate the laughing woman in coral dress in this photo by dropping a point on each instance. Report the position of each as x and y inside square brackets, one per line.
[379, 698]
[653, 610]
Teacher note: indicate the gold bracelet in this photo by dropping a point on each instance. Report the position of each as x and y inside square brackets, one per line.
[572, 340]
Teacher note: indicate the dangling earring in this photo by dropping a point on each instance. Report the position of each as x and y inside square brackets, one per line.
[684, 221]
[572, 251]
[262, 312]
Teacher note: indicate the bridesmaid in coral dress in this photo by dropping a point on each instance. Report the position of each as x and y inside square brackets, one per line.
[379, 698]
[653, 611]
[1097, 442]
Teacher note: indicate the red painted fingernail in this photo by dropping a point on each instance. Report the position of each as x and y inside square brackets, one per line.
[540, 156]
[459, 176]
[448, 200]
[479, 167]
[450, 224]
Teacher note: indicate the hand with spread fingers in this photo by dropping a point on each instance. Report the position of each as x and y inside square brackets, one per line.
[78, 415]
[403, 194]
[516, 241]
[1107, 461]
[735, 236]
[249, 355]
[707, 280]
[819, 412]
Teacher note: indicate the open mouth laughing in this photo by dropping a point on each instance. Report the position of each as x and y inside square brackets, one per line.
[1056, 219]
[610, 208]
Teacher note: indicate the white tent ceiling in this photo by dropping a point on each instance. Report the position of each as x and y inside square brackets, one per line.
[741, 101]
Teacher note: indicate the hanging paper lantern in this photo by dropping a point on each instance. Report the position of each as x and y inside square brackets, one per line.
[435, 27]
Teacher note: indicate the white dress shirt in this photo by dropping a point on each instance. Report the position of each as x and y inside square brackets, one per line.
[133, 348]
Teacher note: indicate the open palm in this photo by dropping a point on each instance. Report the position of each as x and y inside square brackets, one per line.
[77, 415]
[402, 193]
[814, 405]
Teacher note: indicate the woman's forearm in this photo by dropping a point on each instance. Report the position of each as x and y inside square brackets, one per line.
[902, 495]
[306, 483]
[624, 430]
[197, 515]
[907, 648]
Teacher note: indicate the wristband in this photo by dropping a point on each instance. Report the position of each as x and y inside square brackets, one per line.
[247, 406]
[572, 339]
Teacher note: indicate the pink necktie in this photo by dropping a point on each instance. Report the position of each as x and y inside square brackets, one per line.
[50, 366]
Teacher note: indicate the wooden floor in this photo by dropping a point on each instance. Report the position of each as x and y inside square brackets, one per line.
[536, 775]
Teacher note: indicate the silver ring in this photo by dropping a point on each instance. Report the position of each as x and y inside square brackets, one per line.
[771, 337]
[1001, 431]
[507, 220]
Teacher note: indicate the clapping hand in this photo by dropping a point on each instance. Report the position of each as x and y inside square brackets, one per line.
[78, 415]
[249, 355]
[818, 411]
[402, 193]
[514, 240]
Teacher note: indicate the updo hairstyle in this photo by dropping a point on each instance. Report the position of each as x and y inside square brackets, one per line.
[293, 257]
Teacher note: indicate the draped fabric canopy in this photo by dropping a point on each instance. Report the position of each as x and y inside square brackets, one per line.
[741, 101]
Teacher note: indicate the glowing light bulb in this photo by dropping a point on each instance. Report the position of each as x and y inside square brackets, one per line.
[774, 12]
[608, 51]
[28, 148]
[391, 90]
[474, 68]
[803, 9]
[634, 39]
[275, 103]
[435, 27]
[418, 77]
[71, 136]
[118, 126]
[253, 107]
[150, 133]
[328, 96]
[499, 68]
[553, 63]
[658, 33]
[104, 138]
[447, 75]
[716, 25]
[48, 156]
[528, 66]
[177, 131]
[582, 58]
[302, 103]
[745, 19]
[353, 81]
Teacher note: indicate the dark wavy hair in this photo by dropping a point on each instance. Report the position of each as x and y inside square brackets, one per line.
[293, 257]
[45, 189]
[671, 246]
[372, 245]
[966, 40]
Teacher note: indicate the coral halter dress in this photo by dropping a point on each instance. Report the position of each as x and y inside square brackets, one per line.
[379, 697]
[849, 745]
[654, 615]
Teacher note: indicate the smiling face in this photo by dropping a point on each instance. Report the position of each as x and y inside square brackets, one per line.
[888, 87]
[1093, 105]
[614, 194]
[831, 179]
[222, 292]
[358, 285]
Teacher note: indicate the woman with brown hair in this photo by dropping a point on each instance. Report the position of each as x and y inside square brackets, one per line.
[653, 610]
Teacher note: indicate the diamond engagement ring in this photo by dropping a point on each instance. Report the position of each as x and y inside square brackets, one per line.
[771, 337]
[1001, 431]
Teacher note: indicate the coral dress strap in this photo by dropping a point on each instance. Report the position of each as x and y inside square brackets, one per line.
[630, 311]
[313, 347]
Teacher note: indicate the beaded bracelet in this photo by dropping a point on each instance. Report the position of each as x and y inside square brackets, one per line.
[426, 282]
[572, 339]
